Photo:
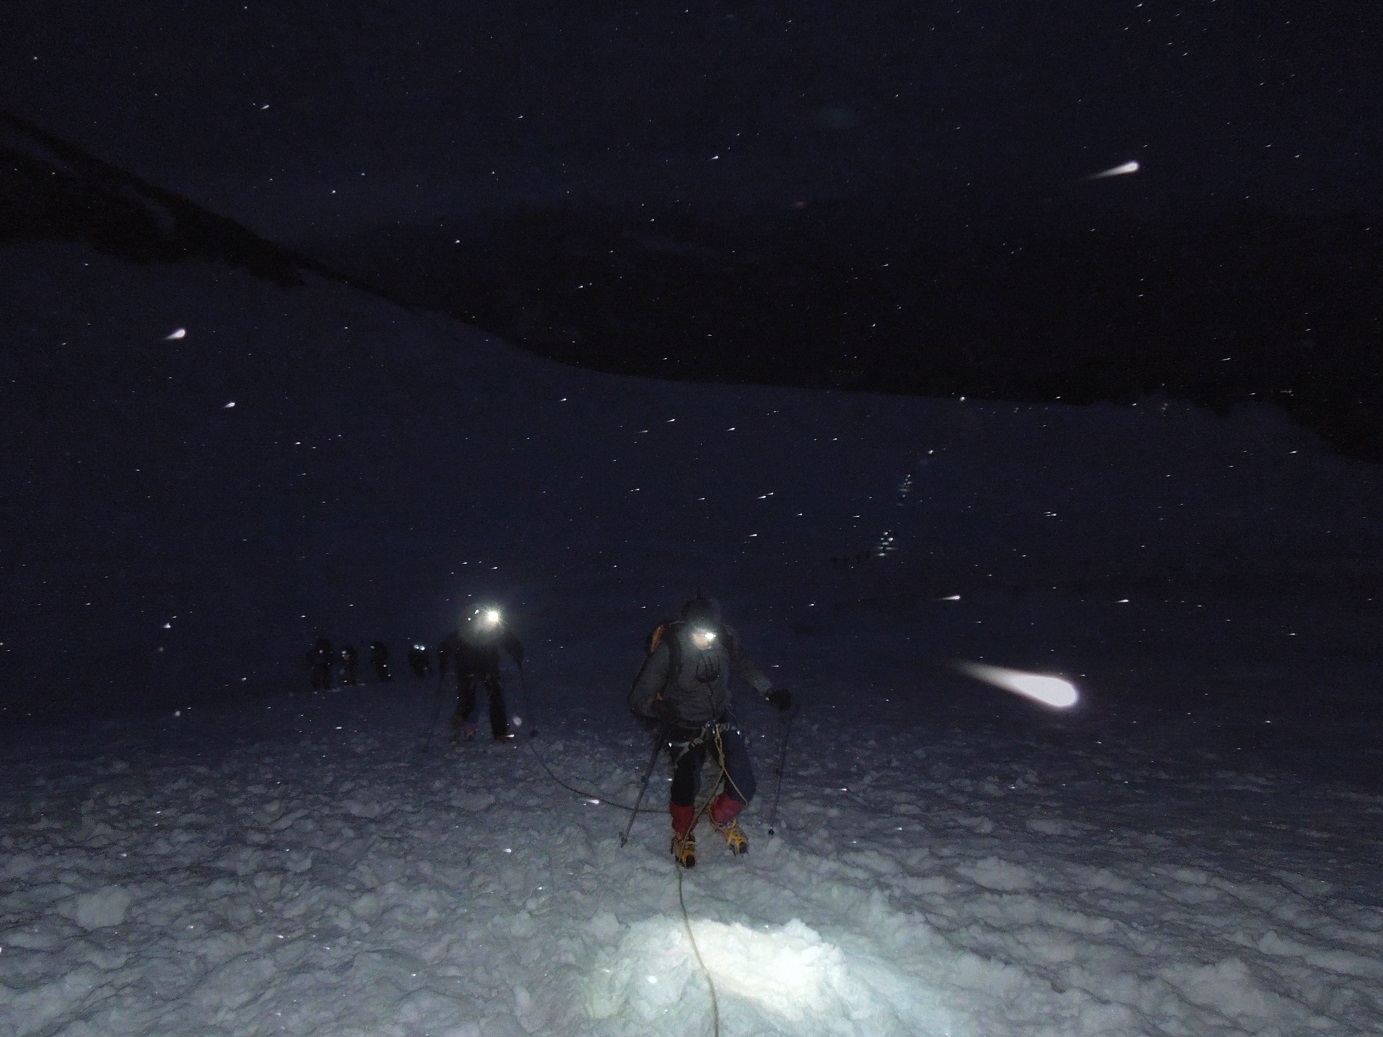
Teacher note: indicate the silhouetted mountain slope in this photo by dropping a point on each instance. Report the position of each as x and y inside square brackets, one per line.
[892, 296]
[1220, 309]
[51, 190]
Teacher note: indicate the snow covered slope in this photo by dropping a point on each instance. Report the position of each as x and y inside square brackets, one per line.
[204, 472]
[303, 866]
[192, 849]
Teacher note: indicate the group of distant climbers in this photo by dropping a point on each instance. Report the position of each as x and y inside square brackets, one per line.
[471, 653]
[681, 692]
[328, 667]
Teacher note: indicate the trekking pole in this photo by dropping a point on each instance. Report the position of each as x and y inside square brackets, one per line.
[782, 761]
[648, 774]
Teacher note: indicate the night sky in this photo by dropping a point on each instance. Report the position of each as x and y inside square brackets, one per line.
[1064, 202]
[318, 116]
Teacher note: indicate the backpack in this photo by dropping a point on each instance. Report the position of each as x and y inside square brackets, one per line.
[674, 647]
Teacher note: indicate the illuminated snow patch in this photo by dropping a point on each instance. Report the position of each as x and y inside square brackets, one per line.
[790, 972]
[780, 975]
[1050, 691]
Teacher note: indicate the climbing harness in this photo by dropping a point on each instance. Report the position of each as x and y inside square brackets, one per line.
[710, 729]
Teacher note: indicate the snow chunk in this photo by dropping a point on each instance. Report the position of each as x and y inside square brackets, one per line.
[1229, 987]
[98, 908]
[15, 866]
[604, 926]
[1049, 826]
[1001, 875]
[475, 802]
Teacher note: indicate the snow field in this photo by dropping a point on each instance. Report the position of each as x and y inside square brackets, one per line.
[1190, 851]
[305, 867]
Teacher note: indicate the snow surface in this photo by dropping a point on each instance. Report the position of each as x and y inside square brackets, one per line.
[194, 845]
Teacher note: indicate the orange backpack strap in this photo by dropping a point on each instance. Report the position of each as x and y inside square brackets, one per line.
[674, 666]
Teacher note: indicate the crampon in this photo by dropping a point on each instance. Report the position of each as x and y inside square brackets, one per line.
[684, 849]
[734, 836]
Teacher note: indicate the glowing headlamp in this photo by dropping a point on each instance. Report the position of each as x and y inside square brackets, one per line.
[703, 638]
[488, 617]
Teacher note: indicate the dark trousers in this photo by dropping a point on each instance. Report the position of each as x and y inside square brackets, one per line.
[466, 684]
[724, 745]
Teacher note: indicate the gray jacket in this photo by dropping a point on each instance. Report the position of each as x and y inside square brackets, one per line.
[699, 690]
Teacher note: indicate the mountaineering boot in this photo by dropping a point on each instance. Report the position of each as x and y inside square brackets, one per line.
[734, 836]
[683, 838]
[723, 812]
[684, 849]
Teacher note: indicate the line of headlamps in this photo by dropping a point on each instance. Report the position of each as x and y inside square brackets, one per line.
[488, 616]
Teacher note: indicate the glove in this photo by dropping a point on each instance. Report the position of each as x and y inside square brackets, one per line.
[658, 718]
[780, 699]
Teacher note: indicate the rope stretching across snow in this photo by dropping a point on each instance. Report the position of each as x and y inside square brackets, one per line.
[681, 898]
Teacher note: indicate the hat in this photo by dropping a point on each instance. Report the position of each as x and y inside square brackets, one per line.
[701, 609]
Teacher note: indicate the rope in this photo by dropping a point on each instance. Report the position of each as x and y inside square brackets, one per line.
[710, 983]
[681, 897]
[601, 800]
[723, 775]
[606, 801]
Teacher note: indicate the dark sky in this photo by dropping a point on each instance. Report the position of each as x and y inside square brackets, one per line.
[298, 117]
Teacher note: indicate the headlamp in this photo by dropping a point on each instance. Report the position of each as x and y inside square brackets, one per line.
[703, 638]
[488, 616]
